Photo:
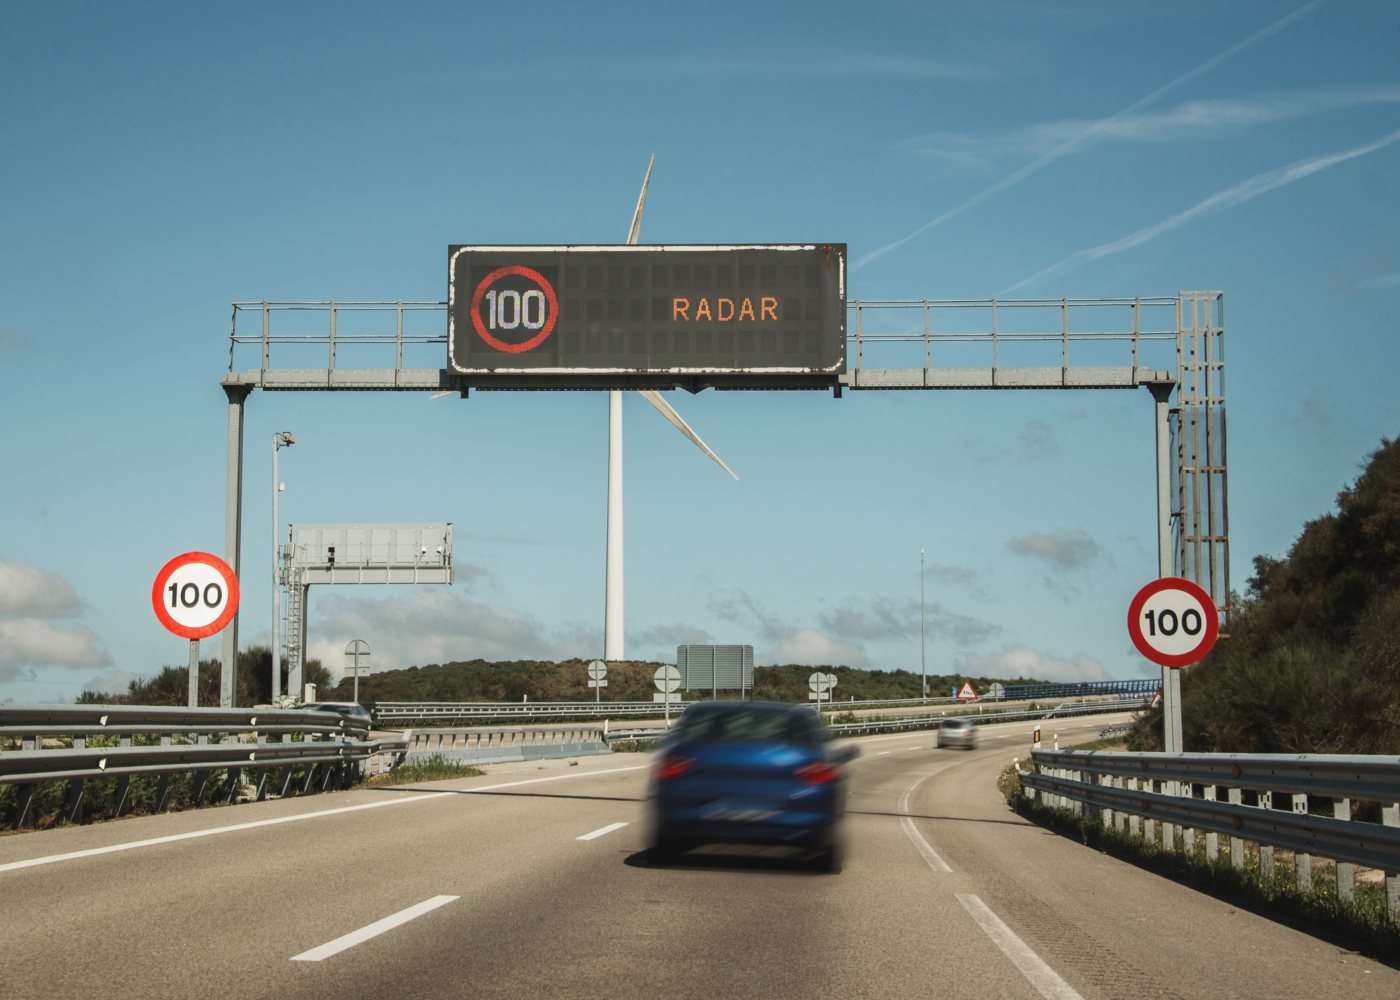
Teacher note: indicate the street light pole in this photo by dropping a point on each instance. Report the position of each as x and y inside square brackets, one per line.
[280, 440]
[923, 628]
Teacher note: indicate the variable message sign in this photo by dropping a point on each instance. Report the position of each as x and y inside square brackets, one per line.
[592, 316]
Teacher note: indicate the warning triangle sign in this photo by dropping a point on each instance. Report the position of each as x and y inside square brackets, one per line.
[965, 693]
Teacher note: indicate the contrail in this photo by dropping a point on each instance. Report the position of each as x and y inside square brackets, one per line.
[1229, 198]
[1067, 147]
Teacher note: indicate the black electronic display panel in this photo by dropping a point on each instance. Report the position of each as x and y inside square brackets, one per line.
[761, 312]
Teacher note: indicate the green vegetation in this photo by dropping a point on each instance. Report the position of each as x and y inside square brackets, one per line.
[1312, 664]
[434, 768]
[172, 685]
[514, 680]
[52, 805]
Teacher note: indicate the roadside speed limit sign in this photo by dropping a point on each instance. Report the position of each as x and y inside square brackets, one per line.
[195, 595]
[1173, 622]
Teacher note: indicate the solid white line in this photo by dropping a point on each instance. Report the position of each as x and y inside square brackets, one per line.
[278, 821]
[923, 846]
[372, 930]
[1046, 980]
[603, 832]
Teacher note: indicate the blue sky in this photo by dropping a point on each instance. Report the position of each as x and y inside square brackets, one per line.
[165, 160]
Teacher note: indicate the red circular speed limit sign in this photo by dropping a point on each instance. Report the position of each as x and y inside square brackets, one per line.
[195, 595]
[1173, 622]
[513, 302]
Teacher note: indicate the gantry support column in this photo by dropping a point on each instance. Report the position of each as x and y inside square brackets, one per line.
[233, 532]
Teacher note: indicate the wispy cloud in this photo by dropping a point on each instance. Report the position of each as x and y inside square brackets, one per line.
[1092, 131]
[766, 58]
[1192, 120]
[1061, 550]
[1240, 193]
[12, 340]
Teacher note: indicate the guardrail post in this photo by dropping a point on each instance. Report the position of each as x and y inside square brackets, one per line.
[26, 805]
[1169, 829]
[1188, 835]
[1236, 844]
[1135, 821]
[1266, 851]
[1212, 839]
[1346, 872]
[1149, 825]
[1390, 816]
[1302, 862]
[74, 809]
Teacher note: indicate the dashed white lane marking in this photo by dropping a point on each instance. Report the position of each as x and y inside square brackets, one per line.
[924, 848]
[884, 753]
[1046, 980]
[372, 930]
[278, 821]
[603, 832]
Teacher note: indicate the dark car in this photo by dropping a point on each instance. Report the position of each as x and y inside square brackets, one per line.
[353, 713]
[736, 772]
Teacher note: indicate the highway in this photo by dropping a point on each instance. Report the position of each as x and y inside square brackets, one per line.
[532, 881]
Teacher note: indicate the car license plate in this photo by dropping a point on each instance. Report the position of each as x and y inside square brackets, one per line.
[738, 812]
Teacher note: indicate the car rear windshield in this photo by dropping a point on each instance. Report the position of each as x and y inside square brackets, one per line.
[750, 726]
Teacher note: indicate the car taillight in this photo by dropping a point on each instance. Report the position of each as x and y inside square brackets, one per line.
[673, 767]
[817, 773]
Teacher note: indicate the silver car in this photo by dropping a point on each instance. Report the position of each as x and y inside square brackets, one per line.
[957, 733]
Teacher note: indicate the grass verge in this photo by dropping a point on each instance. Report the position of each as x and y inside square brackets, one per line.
[434, 768]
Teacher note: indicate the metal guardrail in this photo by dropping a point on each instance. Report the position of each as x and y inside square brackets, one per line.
[916, 724]
[497, 746]
[1182, 794]
[391, 713]
[40, 744]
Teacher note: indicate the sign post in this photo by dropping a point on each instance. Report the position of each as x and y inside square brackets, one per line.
[356, 663]
[1173, 623]
[668, 680]
[597, 678]
[195, 595]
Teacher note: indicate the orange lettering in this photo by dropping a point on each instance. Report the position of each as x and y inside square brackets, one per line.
[746, 310]
[702, 310]
[721, 314]
[679, 308]
[768, 307]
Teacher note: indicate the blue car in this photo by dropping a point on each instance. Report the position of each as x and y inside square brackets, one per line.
[737, 772]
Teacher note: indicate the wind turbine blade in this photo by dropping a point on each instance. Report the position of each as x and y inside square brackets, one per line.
[636, 229]
[668, 411]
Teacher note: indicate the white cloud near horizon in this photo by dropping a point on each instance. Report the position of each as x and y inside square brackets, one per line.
[30, 592]
[435, 625]
[1019, 660]
[1093, 130]
[1221, 201]
[31, 598]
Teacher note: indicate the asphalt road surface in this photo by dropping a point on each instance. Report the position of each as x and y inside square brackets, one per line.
[532, 881]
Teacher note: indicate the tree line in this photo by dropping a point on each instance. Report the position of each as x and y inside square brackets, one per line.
[1312, 660]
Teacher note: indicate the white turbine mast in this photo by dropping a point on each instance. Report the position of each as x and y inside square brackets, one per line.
[613, 650]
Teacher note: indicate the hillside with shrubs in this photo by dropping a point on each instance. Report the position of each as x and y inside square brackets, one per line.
[1312, 661]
